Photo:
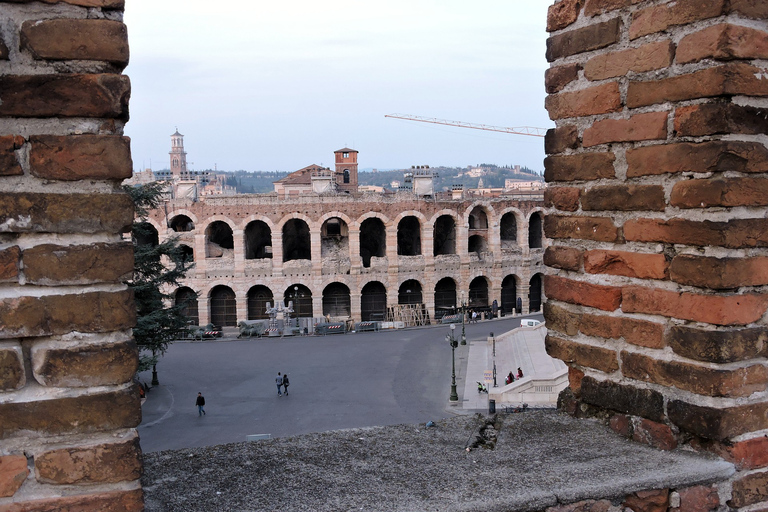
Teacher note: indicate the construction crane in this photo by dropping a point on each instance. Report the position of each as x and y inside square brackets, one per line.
[520, 130]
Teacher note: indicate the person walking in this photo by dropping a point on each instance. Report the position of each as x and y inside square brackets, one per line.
[285, 383]
[279, 382]
[200, 403]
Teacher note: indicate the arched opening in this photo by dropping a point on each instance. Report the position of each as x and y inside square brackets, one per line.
[302, 300]
[346, 175]
[534, 231]
[336, 301]
[334, 238]
[477, 244]
[444, 235]
[535, 293]
[508, 231]
[409, 237]
[478, 293]
[185, 253]
[445, 297]
[145, 235]
[478, 218]
[373, 301]
[410, 293]
[223, 306]
[296, 241]
[508, 294]
[182, 224]
[258, 240]
[258, 297]
[373, 240]
[186, 299]
[218, 240]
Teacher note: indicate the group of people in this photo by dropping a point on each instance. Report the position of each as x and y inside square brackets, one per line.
[511, 378]
[282, 382]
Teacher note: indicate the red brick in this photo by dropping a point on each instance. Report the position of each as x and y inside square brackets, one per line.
[749, 454]
[595, 7]
[718, 423]
[49, 264]
[12, 375]
[584, 166]
[556, 78]
[756, 9]
[726, 192]
[9, 162]
[9, 264]
[701, 498]
[79, 157]
[681, 12]
[566, 258]
[646, 403]
[589, 356]
[719, 273]
[620, 424]
[26, 212]
[600, 229]
[13, 472]
[624, 198]
[599, 99]
[749, 490]
[736, 78]
[723, 42]
[591, 37]
[714, 156]
[575, 377]
[656, 500]
[649, 57]
[560, 139]
[720, 118]
[734, 234]
[648, 126]
[560, 319]
[607, 298]
[622, 263]
[562, 14]
[65, 95]
[115, 501]
[720, 345]
[714, 309]
[636, 332]
[76, 39]
[701, 380]
[562, 198]
[103, 463]
[654, 434]
[103, 364]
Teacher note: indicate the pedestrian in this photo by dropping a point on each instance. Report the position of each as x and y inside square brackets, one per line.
[200, 403]
[495, 308]
[285, 383]
[519, 373]
[474, 316]
[279, 382]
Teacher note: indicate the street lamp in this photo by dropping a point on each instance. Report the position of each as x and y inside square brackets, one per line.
[450, 338]
[463, 314]
[494, 359]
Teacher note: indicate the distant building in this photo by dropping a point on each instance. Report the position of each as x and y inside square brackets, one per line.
[524, 185]
[316, 179]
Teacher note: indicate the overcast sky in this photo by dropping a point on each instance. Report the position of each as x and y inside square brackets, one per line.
[259, 85]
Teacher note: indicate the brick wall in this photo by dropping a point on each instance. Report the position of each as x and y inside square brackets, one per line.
[657, 275]
[67, 405]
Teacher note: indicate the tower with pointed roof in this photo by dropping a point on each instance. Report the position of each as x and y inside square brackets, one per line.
[346, 169]
[178, 155]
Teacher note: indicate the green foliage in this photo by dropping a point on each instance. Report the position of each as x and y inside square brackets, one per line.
[158, 268]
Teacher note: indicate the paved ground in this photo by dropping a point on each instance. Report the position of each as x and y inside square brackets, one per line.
[337, 382]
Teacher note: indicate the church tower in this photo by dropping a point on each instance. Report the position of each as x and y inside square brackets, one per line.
[346, 170]
[178, 156]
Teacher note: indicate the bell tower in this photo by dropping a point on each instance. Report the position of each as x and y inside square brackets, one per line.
[178, 155]
[346, 170]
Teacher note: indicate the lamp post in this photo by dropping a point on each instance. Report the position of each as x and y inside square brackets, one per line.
[296, 303]
[463, 314]
[493, 338]
[450, 338]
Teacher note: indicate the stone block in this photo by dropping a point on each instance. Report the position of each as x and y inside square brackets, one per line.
[591, 37]
[69, 365]
[573, 353]
[598, 99]
[718, 423]
[76, 39]
[584, 166]
[567, 258]
[720, 118]
[12, 375]
[13, 472]
[624, 198]
[623, 398]
[9, 160]
[10, 258]
[560, 139]
[720, 192]
[649, 57]
[49, 264]
[719, 273]
[624, 263]
[607, 298]
[661, 17]
[733, 234]
[80, 157]
[562, 14]
[562, 198]
[655, 500]
[600, 229]
[720, 345]
[714, 156]
[654, 434]
[556, 78]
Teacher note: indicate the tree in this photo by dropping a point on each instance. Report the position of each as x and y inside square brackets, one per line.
[158, 268]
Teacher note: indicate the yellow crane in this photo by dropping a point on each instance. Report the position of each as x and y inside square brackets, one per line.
[520, 130]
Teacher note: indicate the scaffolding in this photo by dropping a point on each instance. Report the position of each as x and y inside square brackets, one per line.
[410, 314]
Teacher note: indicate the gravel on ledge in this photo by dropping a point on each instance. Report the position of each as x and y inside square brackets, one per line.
[538, 459]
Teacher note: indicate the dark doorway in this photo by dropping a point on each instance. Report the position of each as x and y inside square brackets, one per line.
[218, 236]
[187, 298]
[445, 297]
[302, 300]
[296, 241]
[410, 293]
[409, 237]
[373, 301]
[373, 240]
[223, 307]
[535, 293]
[508, 294]
[478, 293]
[258, 240]
[508, 231]
[534, 231]
[258, 297]
[444, 235]
[182, 223]
[336, 301]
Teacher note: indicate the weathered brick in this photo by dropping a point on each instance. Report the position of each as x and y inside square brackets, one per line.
[701, 380]
[109, 462]
[622, 398]
[575, 377]
[607, 298]
[723, 42]
[81, 39]
[562, 198]
[104, 364]
[12, 374]
[715, 156]
[562, 14]
[595, 7]
[620, 424]
[584, 166]
[584, 506]
[749, 490]
[560, 319]
[560, 139]
[599, 99]
[714, 309]
[25, 212]
[701, 498]
[749, 454]
[636, 332]
[9, 161]
[624, 198]
[13, 472]
[720, 118]
[726, 192]
[600, 229]
[656, 500]
[80, 414]
[591, 37]
[556, 78]
[648, 126]
[661, 17]
[102, 95]
[115, 501]
[756, 9]
[720, 345]
[648, 57]
[718, 423]
[567, 258]
[49, 264]
[9, 264]
[623, 263]
[571, 352]
[78, 157]
[654, 434]
[734, 234]
[736, 78]
[719, 273]
[60, 314]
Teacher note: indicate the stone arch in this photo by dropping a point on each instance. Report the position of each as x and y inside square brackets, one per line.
[410, 292]
[219, 238]
[510, 223]
[373, 301]
[186, 253]
[478, 292]
[181, 223]
[535, 230]
[186, 298]
[257, 299]
[301, 296]
[409, 236]
[336, 300]
[297, 243]
[509, 294]
[373, 239]
[535, 293]
[258, 240]
[223, 304]
[445, 297]
[145, 234]
[444, 235]
[334, 237]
